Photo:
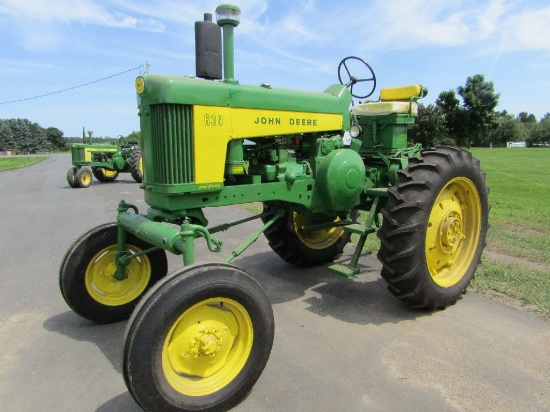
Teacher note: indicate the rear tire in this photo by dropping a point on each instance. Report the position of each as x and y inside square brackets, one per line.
[198, 341]
[103, 174]
[136, 166]
[86, 275]
[288, 237]
[434, 228]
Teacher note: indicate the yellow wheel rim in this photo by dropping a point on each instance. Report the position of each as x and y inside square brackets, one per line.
[86, 178]
[140, 165]
[453, 231]
[108, 172]
[319, 239]
[100, 277]
[207, 346]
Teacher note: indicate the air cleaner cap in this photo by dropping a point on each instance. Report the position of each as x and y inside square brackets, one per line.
[228, 14]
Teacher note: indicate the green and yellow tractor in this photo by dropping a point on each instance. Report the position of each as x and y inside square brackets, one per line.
[199, 338]
[104, 161]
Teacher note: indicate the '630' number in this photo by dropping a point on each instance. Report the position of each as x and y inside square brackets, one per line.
[213, 120]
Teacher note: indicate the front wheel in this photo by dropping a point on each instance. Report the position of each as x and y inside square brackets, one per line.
[434, 228]
[71, 177]
[83, 177]
[198, 341]
[86, 275]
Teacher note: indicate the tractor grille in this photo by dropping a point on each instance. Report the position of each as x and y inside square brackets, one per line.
[172, 135]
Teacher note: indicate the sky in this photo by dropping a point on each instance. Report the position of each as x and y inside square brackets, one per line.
[51, 47]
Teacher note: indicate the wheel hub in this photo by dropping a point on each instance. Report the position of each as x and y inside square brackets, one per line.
[451, 231]
[207, 346]
[206, 342]
[102, 284]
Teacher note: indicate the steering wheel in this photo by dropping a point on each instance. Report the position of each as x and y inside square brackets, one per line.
[352, 61]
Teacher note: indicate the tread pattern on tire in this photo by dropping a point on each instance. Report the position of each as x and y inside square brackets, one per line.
[405, 215]
[135, 170]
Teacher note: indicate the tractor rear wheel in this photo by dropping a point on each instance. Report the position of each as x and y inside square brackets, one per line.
[434, 228]
[86, 275]
[290, 239]
[83, 177]
[198, 341]
[136, 166]
[103, 174]
[71, 177]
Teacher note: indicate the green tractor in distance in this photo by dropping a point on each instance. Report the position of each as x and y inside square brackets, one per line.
[199, 338]
[104, 161]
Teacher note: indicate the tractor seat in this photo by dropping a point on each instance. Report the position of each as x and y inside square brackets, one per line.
[393, 100]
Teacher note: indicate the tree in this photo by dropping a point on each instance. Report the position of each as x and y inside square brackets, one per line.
[479, 101]
[540, 133]
[430, 128]
[56, 139]
[39, 138]
[7, 139]
[454, 116]
[20, 131]
[508, 129]
[527, 118]
[134, 137]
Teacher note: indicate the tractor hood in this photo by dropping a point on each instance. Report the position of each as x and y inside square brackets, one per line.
[158, 89]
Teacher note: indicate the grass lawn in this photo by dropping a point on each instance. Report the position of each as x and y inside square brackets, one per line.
[520, 226]
[9, 163]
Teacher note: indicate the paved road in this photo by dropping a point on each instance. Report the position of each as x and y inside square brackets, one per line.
[339, 344]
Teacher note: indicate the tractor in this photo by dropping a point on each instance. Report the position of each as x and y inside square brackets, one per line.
[104, 161]
[199, 338]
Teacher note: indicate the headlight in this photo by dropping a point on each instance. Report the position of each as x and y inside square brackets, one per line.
[355, 130]
[140, 85]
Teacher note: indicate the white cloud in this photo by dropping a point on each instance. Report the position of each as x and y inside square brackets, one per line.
[527, 30]
[86, 12]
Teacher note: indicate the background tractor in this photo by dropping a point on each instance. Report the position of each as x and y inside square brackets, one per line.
[199, 338]
[104, 161]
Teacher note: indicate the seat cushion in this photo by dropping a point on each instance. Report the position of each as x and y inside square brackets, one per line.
[384, 108]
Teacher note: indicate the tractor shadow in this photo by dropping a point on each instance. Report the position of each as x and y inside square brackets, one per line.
[362, 300]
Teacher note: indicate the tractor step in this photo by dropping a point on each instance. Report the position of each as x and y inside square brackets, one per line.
[344, 270]
[359, 229]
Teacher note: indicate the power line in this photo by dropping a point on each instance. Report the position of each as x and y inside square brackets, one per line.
[74, 87]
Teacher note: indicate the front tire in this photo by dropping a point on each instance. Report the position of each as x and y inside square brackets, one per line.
[71, 177]
[434, 228]
[198, 341]
[83, 177]
[86, 275]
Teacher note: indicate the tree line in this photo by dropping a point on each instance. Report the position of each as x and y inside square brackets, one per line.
[25, 137]
[471, 120]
